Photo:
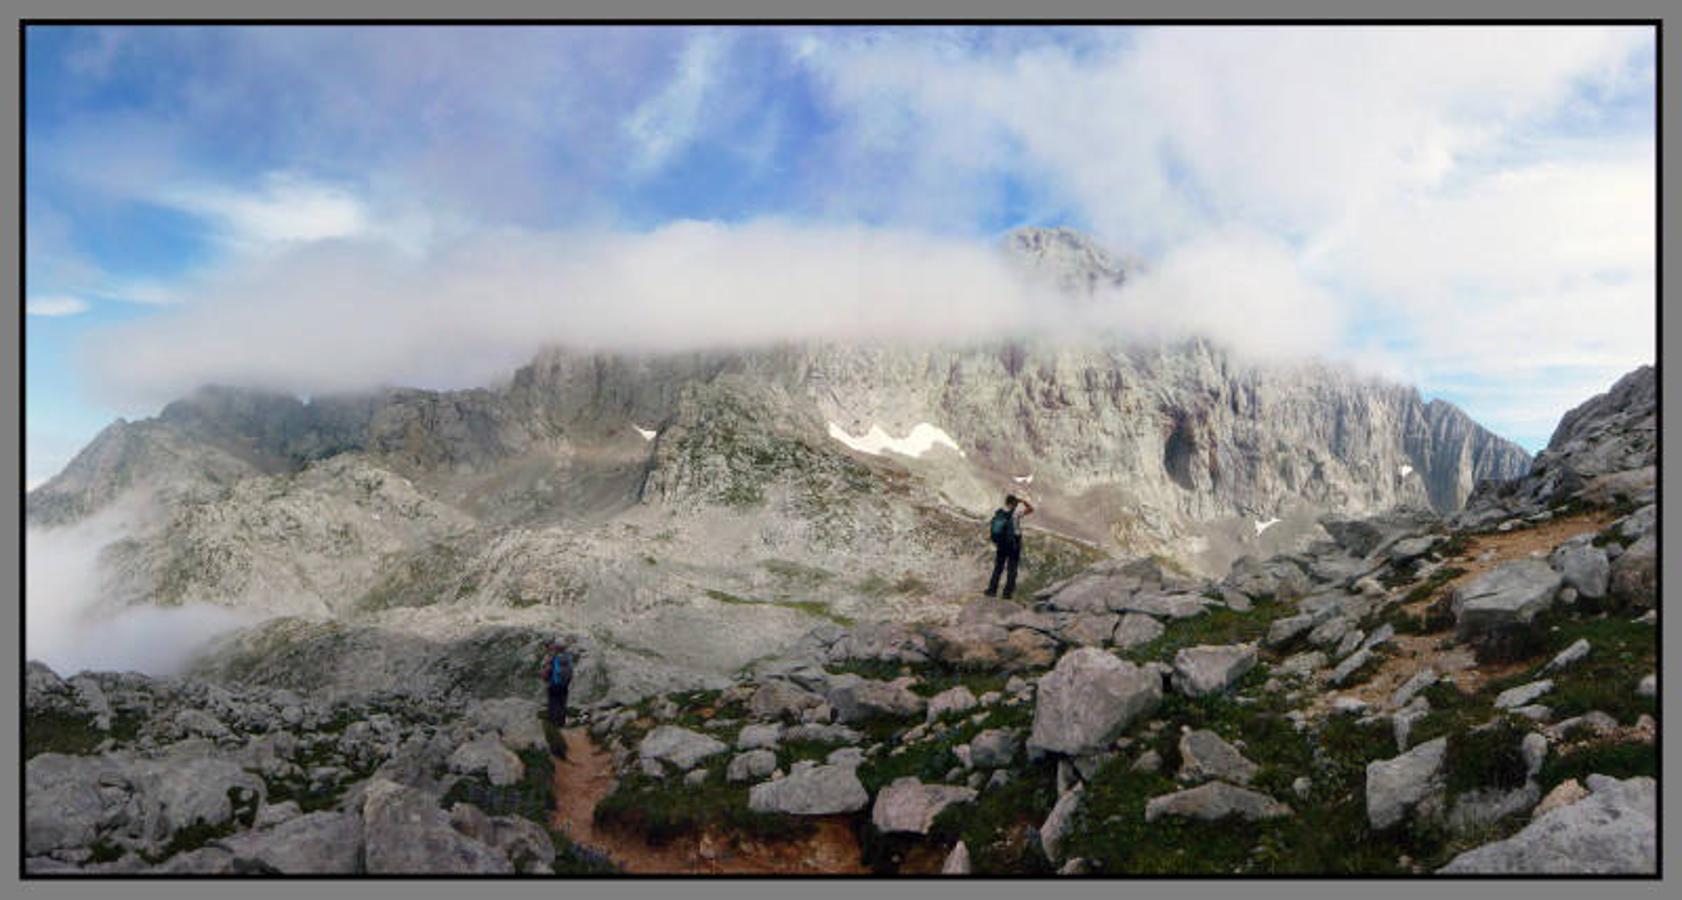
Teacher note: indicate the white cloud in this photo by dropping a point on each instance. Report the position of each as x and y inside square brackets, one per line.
[667, 122]
[55, 306]
[285, 208]
[355, 314]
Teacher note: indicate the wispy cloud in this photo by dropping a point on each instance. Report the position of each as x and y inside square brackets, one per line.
[668, 121]
[55, 306]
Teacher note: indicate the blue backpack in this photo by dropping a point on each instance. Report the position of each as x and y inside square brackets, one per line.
[1001, 528]
[560, 669]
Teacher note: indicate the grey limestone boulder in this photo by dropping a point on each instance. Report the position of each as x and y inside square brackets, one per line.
[908, 805]
[1507, 596]
[1204, 670]
[814, 791]
[679, 746]
[1614, 830]
[1213, 801]
[1396, 786]
[1084, 703]
[1205, 756]
[318, 843]
[404, 832]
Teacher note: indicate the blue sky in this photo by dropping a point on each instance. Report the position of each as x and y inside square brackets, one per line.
[330, 208]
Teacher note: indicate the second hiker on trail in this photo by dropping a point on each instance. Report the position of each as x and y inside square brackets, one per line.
[557, 674]
[1006, 533]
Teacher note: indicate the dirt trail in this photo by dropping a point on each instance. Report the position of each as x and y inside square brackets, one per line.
[1438, 650]
[586, 776]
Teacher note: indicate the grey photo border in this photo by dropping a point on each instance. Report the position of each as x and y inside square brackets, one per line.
[12, 884]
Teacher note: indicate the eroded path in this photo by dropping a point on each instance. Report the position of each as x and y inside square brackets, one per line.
[586, 776]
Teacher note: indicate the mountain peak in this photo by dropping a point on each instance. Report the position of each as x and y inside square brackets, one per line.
[1072, 259]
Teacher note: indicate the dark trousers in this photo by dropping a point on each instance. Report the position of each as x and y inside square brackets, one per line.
[557, 705]
[1009, 554]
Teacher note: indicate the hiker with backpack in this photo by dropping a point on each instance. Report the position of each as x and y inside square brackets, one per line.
[557, 674]
[1006, 533]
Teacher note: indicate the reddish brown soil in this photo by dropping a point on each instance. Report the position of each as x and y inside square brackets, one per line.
[1438, 650]
[586, 776]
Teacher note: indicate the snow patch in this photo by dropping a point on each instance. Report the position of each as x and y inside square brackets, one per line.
[1406, 471]
[1263, 526]
[922, 439]
[646, 434]
[1023, 479]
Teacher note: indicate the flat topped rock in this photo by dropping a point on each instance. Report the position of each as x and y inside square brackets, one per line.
[1509, 594]
[1204, 670]
[1204, 755]
[815, 791]
[1214, 801]
[1084, 703]
[679, 746]
[908, 805]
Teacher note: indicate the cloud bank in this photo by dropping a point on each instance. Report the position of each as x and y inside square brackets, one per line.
[426, 206]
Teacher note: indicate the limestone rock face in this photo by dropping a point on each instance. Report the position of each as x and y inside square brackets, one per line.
[1084, 703]
[1612, 830]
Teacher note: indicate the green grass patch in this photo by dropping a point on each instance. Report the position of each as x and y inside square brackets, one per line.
[1432, 583]
[661, 810]
[1616, 759]
[1486, 757]
[996, 827]
[51, 731]
[1217, 626]
[809, 607]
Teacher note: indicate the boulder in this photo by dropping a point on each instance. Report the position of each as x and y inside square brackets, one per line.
[1089, 629]
[517, 722]
[405, 833]
[1091, 593]
[1577, 651]
[908, 805]
[1363, 536]
[1565, 793]
[1282, 631]
[1213, 801]
[679, 746]
[1612, 831]
[1056, 825]
[318, 843]
[1346, 670]
[1136, 630]
[1507, 596]
[1085, 703]
[1634, 574]
[879, 641]
[1396, 786]
[858, 699]
[1523, 695]
[956, 700]
[757, 737]
[1583, 566]
[957, 862]
[1482, 808]
[1205, 756]
[1172, 606]
[1204, 670]
[1421, 680]
[994, 748]
[751, 766]
[486, 755]
[780, 700]
[815, 791]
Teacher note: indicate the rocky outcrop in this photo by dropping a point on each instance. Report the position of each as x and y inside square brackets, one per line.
[1611, 831]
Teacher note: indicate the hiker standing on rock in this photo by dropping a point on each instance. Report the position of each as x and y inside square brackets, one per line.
[557, 674]
[1006, 532]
